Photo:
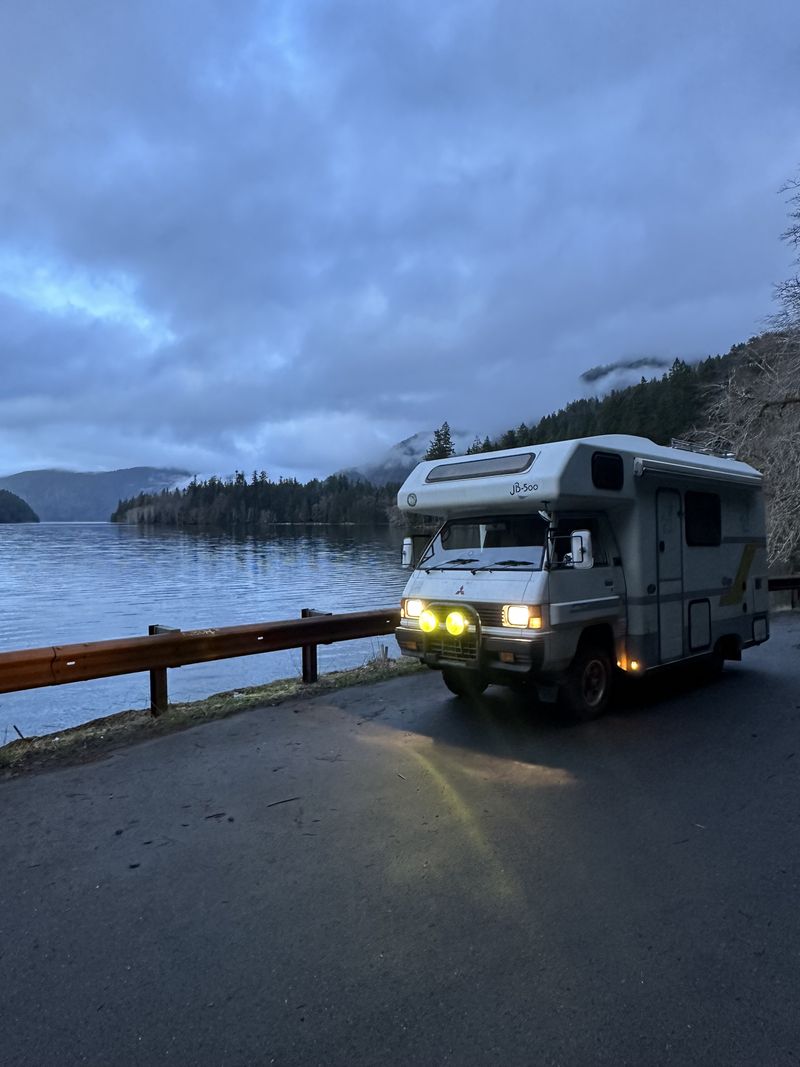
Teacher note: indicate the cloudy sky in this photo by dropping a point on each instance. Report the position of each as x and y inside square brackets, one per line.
[288, 234]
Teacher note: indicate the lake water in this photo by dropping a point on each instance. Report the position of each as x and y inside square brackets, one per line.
[66, 582]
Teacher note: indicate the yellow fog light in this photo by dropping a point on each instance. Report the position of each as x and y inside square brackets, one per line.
[428, 621]
[455, 624]
[412, 608]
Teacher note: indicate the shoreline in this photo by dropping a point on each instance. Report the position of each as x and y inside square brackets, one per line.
[102, 736]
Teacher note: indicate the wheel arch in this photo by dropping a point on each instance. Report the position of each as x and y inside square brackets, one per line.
[598, 635]
[729, 646]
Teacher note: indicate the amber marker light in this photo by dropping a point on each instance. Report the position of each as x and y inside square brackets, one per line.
[455, 624]
[428, 621]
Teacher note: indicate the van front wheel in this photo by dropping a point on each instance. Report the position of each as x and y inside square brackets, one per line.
[464, 683]
[587, 690]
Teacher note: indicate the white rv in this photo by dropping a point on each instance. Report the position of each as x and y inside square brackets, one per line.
[557, 563]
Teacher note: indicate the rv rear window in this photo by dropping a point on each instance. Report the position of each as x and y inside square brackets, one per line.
[703, 517]
[607, 470]
[481, 468]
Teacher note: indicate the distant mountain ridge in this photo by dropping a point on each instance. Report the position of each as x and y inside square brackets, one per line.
[76, 496]
[403, 457]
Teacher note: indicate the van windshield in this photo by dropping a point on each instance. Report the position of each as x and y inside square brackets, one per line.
[493, 542]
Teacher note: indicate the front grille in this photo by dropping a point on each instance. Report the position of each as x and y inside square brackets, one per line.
[489, 614]
[447, 647]
[442, 644]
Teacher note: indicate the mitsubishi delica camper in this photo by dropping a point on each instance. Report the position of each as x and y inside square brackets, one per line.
[559, 562]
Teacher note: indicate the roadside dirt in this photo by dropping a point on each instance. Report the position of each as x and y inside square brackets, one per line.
[94, 740]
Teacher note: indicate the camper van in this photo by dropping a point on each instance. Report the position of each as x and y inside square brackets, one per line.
[562, 564]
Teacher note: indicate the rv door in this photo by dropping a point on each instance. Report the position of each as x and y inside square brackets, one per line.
[669, 562]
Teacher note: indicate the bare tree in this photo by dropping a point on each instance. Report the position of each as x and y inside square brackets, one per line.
[788, 292]
[755, 412]
[755, 415]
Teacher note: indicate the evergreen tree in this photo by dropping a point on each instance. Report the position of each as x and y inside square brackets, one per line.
[441, 445]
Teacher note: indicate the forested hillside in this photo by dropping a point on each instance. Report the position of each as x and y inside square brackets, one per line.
[13, 509]
[259, 502]
[659, 408]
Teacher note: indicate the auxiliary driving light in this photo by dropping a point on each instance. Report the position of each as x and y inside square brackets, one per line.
[455, 624]
[428, 621]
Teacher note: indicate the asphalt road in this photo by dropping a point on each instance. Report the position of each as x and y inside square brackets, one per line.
[387, 875]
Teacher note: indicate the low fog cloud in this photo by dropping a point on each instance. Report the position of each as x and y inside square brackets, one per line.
[598, 374]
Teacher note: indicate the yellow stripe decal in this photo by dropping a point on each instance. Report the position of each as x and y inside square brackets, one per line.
[735, 594]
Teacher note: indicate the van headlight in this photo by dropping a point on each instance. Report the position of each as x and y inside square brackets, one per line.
[522, 615]
[411, 608]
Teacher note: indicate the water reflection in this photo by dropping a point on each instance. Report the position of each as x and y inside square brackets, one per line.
[65, 582]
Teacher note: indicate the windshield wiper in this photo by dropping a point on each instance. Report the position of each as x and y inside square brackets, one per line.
[450, 563]
[507, 563]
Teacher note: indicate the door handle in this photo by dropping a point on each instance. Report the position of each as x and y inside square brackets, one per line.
[661, 546]
[609, 581]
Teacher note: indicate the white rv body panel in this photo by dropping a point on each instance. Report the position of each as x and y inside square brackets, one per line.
[679, 555]
[558, 472]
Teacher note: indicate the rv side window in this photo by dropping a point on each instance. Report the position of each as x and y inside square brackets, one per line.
[703, 518]
[607, 470]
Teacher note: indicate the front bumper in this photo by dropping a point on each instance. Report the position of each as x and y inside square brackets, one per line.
[492, 654]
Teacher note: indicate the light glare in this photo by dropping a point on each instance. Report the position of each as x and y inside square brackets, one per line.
[413, 608]
[517, 614]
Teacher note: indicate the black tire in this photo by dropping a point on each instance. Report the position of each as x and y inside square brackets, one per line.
[586, 692]
[713, 667]
[464, 683]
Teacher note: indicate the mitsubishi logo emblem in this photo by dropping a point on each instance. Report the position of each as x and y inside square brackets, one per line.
[460, 592]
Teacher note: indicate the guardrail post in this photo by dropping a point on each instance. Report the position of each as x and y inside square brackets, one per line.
[309, 652]
[159, 692]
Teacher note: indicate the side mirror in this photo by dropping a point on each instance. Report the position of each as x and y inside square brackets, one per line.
[407, 557]
[582, 555]
[413, 548]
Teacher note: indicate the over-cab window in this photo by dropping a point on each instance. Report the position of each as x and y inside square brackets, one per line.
[607, 470]
[481, 468]
[703, 518]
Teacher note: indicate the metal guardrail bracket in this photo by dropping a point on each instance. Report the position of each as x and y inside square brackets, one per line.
[159, 689]
[309, 652]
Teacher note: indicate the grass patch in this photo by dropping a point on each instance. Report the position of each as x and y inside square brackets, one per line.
[94, 739]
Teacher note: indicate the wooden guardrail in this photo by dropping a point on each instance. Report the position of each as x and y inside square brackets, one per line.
[33, 668]
[786, 584]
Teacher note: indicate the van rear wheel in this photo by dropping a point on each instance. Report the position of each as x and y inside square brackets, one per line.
[464, 683]
[586, 692]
